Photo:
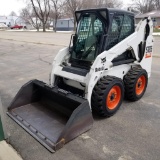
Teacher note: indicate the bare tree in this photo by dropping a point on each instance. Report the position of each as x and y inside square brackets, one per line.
[157, 4]
[135, 11]
[13, 14]
[103, 3]
[56, 12]
[30, 17]
[145, 5]
[42, 10]
[70, 6]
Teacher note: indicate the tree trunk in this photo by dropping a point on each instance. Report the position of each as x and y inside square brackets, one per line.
[74, 23]
[55, 26]
[44, 27]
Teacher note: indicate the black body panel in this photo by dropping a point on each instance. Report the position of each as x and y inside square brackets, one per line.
[74, 70]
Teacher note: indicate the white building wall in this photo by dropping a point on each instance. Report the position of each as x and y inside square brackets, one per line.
[65, 24]
[3, 19]
[71, 23]
[11, 20]
[62, 23]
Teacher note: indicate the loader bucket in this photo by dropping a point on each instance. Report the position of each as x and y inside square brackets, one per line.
[51, 115]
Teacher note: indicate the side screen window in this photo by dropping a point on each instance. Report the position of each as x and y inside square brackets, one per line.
[114, 33]
[98, 28]
[127, 27]
[114, 28]
[116, 25]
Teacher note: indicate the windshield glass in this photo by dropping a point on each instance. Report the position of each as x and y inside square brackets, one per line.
[88, 35]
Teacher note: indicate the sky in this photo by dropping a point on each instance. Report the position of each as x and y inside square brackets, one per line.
[7, 6]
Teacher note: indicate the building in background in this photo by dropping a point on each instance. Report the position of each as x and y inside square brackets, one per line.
[12, 20]
[66, 24]
[155, 15]
[7, 20]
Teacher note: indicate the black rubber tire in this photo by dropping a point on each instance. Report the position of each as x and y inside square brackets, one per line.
[130, 80]
[100, 92]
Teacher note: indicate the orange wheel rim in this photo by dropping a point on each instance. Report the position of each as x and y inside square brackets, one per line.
[140, 85]
[113, 97]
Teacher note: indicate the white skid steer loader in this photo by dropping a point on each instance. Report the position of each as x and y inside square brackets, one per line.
[107, 58]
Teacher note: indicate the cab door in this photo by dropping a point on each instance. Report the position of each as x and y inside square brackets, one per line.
[121, 27]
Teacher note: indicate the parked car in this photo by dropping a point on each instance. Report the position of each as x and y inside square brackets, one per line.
[16, 27]
[158, 27]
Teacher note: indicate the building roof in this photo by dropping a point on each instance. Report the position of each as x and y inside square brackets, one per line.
[152, 14]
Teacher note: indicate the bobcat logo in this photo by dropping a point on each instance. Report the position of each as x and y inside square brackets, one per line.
[99, 69]
[103, 60]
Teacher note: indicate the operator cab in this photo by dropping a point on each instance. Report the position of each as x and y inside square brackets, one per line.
[98, 30]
